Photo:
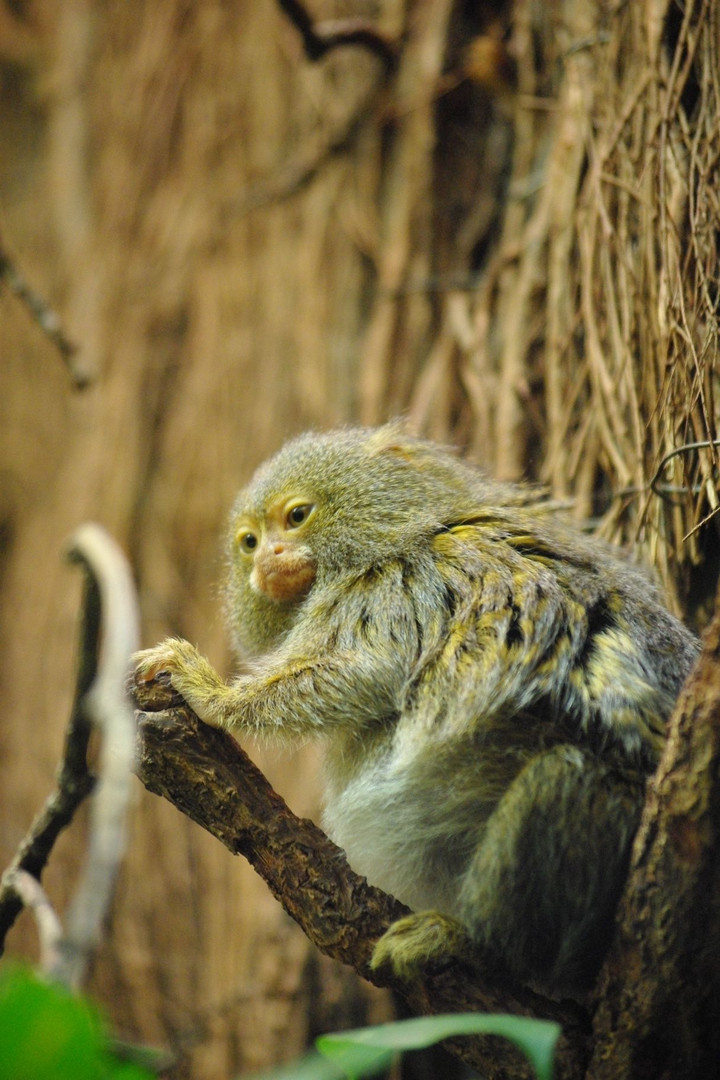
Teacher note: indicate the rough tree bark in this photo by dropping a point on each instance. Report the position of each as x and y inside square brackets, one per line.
[659, 1000]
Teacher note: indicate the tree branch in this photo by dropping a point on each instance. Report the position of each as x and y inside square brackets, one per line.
[209, 778]
[300, 169]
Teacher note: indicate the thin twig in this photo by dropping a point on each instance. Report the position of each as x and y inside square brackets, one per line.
[663, 490]
[320, 38]
[43, 315]
[74, 781]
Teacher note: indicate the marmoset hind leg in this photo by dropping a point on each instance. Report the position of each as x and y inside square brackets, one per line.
[542, 887]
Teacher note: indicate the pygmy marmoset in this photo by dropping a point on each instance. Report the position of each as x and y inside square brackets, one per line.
[491, 686]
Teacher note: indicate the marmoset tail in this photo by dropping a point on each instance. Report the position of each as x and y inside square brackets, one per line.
[491, 687]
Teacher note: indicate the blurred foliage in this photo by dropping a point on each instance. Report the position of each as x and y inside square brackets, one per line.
[46, 1033]
[371, 1050]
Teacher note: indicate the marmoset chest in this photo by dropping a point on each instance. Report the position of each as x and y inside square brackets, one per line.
[408, 820]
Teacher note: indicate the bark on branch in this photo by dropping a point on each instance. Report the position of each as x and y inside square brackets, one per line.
[209, 778]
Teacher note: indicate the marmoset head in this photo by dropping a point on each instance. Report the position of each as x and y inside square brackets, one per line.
[334, 503]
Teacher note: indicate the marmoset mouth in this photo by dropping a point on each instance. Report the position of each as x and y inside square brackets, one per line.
[287, 578]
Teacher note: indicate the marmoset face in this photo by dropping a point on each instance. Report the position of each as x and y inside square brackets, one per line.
[273, 549]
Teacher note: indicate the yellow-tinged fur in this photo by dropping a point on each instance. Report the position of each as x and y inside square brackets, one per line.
[490, 684]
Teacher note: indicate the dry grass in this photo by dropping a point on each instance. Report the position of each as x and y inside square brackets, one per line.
[588, 355]
[647, 236]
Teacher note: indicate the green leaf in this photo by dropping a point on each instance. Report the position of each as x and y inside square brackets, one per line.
[46, 1033]
[359, 1052]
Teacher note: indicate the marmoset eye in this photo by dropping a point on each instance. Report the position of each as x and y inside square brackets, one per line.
[248, 541]
[298, 515]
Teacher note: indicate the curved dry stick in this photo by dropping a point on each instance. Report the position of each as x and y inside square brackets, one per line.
[32, 895]
[109, 709]
[100, 699]
[300, 170]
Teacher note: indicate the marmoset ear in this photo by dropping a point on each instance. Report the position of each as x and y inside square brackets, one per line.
[397, 445]
[395, 442]
[392, 438]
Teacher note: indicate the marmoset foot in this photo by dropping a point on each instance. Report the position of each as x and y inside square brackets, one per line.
[421, 939]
